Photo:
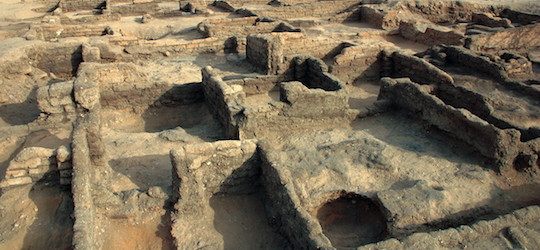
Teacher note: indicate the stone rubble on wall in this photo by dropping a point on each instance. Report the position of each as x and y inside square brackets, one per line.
[29, 166]
[56, 101]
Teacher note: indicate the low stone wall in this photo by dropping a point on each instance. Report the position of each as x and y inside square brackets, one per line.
[53, 32]
[418, 70]
[201, 171]
[141, 48]
[122, 86]
[491, 21]
[257, 85]
[360, 62]
[430, 34]
[499, 67]
[300, 227]
[524, 37]
[64, 20]
[501, 146]
[76, 5]
[320, 96]
[320, 9]
[223, 101]
[62, 59]
[312, 103]
[520, 17]
[461, 236]
[313, 72]
[135, 9]
[265, 52]
[29, 166]
[56, 101]
[88, 154]
[299, 44]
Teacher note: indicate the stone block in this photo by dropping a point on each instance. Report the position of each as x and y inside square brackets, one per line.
[15, 182]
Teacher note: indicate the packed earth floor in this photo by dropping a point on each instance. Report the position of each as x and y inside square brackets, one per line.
[257, 124]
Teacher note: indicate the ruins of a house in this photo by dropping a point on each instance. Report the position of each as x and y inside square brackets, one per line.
[276, 143]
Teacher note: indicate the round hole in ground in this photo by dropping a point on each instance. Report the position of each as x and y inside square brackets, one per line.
[352, 220]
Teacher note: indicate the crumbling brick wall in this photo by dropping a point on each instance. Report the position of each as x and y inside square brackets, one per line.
[56, 101]
[122, 86]
[143, 48]
[203, 170]
[418, 70]
[319, 9]
[500, 145]
[500, 67]
[53, 31]
[29, 166]
[265, 52]
[360, 62]
[223, 101]
[300, 227]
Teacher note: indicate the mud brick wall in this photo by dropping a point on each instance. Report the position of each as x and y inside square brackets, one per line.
[265, 52]
[84, 209]
[359, 62]
[75, 5]
[52, 32]
[520, 17]
[88, 156]
[29, 166]
[302, 230]
[490, 21]
[376, 17]
[64, 20]
[315, 9]
[429, 34]
[62, 60]
[500, 70]
[317, 75]
[298, 44]
[312, 103]
[243, 27]
[122, 86]
[499, 145]
[418, 70]
[463, 235]
[257, 85]
[225, 23]
[135, 9]
[203, 170]
[145, 49]
[524, 37]
[56, 100]
[223, 101]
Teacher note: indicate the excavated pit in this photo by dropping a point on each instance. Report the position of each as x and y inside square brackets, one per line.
[352, 220]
